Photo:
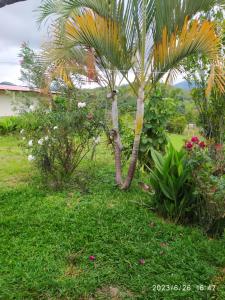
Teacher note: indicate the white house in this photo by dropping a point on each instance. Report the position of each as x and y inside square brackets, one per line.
[11, 94]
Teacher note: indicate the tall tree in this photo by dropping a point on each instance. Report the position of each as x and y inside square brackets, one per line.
[147, 38]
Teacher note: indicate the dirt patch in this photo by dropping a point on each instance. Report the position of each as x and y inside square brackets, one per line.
[72, 271]
[111, 293]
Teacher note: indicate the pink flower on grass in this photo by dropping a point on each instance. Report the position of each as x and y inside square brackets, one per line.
[195, 139]
[141, 261]
[92, 258]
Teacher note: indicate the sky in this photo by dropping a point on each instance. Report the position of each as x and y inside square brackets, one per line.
[18, 24]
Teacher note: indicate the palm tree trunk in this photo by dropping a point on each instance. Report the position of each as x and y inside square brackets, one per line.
[138, 131]
[117, 140]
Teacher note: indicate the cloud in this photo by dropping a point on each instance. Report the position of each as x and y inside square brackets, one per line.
[18, 24]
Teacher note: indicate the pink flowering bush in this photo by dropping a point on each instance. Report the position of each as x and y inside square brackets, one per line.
[209, 183]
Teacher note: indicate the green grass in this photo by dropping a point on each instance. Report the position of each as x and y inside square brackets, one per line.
[47, 238]
[14, 168]
[177, 140]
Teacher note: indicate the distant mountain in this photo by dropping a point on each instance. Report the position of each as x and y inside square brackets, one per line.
[7, 83]
[183, 85]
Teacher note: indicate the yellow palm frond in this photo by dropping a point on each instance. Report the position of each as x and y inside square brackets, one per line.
[99, 33]
[65, 61]
[195, 37]
[216, 78]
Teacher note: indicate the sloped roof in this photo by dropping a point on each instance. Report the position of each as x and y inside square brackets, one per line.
[17, 88]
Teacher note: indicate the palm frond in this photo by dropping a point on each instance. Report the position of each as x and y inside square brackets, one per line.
[50, 8]
[216, 78]
[101, 34]
[193, 38]
[64, 61]
[171, 14]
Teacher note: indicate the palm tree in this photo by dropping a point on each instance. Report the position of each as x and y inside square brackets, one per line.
[147, 38]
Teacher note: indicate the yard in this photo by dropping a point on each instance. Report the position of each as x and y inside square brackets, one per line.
[93, 241]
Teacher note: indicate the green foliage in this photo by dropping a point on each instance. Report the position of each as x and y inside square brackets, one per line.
[12, 125]
[157, 112]
[63, 138]
[191, 113]
[170, 180]
[177, 124]
[8, 125]
[161, 113]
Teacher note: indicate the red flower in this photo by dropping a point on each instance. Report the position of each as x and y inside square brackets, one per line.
[92, 257]
[189, 145]
[195, 139]
[218, 147]
[202, 145]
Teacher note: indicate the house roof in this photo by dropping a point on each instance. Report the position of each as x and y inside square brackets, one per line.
[17, 88]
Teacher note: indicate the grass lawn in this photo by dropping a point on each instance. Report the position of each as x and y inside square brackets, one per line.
[47, 238]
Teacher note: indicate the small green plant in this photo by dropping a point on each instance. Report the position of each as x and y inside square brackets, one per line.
[170, 180]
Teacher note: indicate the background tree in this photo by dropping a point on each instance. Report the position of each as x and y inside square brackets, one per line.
[209, 102]
[32, 68]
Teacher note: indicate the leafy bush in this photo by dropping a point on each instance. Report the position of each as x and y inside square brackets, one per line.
[177, 124]
[157, 113]
[63, 138]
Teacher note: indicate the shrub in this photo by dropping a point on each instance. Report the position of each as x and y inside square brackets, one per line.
[177, 124]
[64, 137]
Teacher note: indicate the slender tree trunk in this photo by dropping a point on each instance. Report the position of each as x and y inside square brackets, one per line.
[138, 131]
[117, 140]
